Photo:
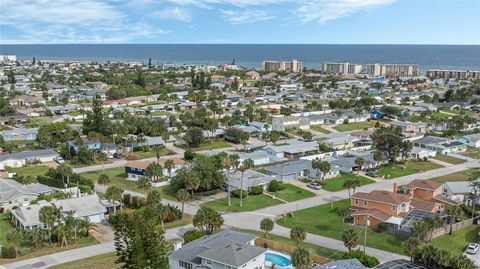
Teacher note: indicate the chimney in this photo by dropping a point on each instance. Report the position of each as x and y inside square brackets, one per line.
[395, 188]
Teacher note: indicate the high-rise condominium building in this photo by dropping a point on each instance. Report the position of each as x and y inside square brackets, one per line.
[341, 68]
[274, 66]
[393, 70]
[8, 58]
[455, 74]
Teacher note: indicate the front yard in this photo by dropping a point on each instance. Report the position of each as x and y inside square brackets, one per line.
[319, 128]
[104, 261]
[32, 170]
[324, 220]
[458, 241]
[209, 145]
[255, 202]
[118, 178]
[150, 154]
[346, 127]
[469, 174]
[389, 171]
[336, 183]
[472, 152]
[449, 159]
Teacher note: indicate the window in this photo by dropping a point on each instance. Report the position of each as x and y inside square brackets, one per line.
[394, 208]
[356, 201]
[185, 265]
[365, 203]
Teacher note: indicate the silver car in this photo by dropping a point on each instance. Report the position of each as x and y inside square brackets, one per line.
[314, 185]
[472, 248]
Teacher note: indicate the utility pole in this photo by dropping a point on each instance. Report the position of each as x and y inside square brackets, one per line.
[365, 236]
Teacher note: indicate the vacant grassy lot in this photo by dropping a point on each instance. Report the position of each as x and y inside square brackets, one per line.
[151, 153]
[336, 183]
[32, 170]
[354, 126]
[118, 178]
[458, 241]
[319, 250]
[319, 128]
[324, 220]
[468, 174]
[210, 144]
[472, 152]
[449, 159]
[255, 202]
[104, 261]
[410, 167]
[5, 227]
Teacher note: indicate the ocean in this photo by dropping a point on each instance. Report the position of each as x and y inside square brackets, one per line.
[462, 57]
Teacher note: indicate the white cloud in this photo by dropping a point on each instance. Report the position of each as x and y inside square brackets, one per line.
[246, 16]
[323, 11]
[175, 13]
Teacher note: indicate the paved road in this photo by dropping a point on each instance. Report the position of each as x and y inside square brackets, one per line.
[251, 220]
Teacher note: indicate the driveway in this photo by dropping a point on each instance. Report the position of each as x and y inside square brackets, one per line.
[474, 258]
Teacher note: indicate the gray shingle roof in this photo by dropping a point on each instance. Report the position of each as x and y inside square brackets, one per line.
[10, 189]
[234, 254]
[28, 154]
[342, 264]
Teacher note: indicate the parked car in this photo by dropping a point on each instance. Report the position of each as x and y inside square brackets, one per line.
[60, 160]
[314, 185]
[110, 155]
[117, 155]
[472, 248]
[372, 174]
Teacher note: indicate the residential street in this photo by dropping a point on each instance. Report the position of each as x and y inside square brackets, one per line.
[251, 220]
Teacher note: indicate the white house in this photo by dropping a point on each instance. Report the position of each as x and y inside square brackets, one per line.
[19, 159]
[472, 140]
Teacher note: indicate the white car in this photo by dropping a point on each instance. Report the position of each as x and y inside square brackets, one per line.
[60, 160]
[472, 248]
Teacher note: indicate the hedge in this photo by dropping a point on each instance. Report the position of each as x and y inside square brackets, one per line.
[236, 193]
[256, 190]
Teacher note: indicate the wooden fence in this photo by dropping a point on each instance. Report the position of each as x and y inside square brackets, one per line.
[281, 247]
[456, 226]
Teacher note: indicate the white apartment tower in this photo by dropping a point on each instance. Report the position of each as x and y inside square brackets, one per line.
[453, 74]
[341, 68]
[289, 66]
[393, 70]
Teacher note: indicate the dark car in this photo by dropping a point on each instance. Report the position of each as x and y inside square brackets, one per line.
[372, 174]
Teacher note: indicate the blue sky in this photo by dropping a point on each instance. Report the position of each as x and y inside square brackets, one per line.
[240, 21]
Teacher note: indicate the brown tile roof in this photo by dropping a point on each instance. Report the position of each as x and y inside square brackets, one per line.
[423, 205]
[423, 184]
[375, 213]
[387, 197]
[144, 164]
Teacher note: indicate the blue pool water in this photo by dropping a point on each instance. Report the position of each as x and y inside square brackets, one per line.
[277, 259]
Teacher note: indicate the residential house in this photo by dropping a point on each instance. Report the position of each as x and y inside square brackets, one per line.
[421, 153]
[14, 194]
[283, 123]
[19, 159]
[342, 264]
[225, 249]
[298, 169]
[472, 140]
[346, 163]
[251, 178]
[440, 144]
[458, 191]
[20, 134]
[410, 129]
[88, 207]
[340, 141]
[136, 169]
[431, 191]
[294, 149]
[259, 158]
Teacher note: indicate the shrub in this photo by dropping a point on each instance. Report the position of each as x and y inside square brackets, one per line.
[274, 186]
[188, 155]
[368, 261]
[8, 252]
[256, 190]
[191, 235]
[306, 180]
[236, 193]
[127, 199]
[134, 201]
[281, 186]
[382, 227]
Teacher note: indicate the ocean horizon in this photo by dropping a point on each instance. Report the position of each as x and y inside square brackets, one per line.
[460, 57]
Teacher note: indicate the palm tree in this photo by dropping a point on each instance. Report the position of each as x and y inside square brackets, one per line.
[359, 162]
[348, 184]
[48, 216]
[183, 196]
[15, 237]
[227, 163]
[104, 179]
[410, 247]
[63, 233]
[192, 184]
[266, 225]
[298, 234]
[349, 238]
[158, 152]
[247, 164]
[144, 184]
[114, 193]
[377, 157]
[475, 193]
[154, 197]
[65, 171]
[455, 212]
[325, 168]
[85, 226]
[301, 258]
[316, 165]
[343, 213]
[169, 165]
[154, 171]
[103, 158]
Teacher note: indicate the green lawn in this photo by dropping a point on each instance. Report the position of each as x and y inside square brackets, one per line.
[440, 116]
[187, 219]
[118, 178]
[5, 227]
[32, 170]
[324, 220]
[449, 159]
[469, 174]
[209, 145]
[255, 202]
[319, 250]
[151, 154]
[336, 183]
[410, 167]
[319, 128]
[104, 261]
[354, 126]
[472, 152]
[458, 241]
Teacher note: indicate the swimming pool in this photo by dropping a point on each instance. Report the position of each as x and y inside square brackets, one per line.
[278, 259]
